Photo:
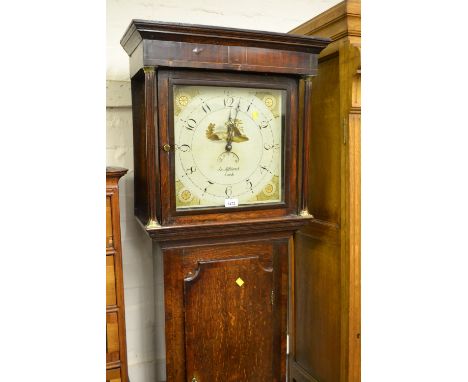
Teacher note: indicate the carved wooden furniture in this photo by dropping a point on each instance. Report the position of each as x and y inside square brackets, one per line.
[116, 351]
[326, 339]
[221, 121]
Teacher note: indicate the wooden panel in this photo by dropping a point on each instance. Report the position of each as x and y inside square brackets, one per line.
[325, 145]
[225, 324]
[116, 353]
[231, 337]
[237, 55]
[141, 209]
[177, 51]
[317, 308]
[140, 30]
[298, 374]
[335, 194]
[174, 320]
[150, 43]
[341, 21]
[317, 331]
[112, 333]
[109, 236]
[169, 54]
[279, 58]
[113, 375]
[352, 273]
[111, 296]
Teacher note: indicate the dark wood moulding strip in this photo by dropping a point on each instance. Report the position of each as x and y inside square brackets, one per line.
[238, 228]
[157, 30]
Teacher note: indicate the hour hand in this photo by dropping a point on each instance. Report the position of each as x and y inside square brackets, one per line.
[229, 137]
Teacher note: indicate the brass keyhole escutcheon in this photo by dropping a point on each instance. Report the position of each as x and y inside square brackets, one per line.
[167, 148]
[194, 379]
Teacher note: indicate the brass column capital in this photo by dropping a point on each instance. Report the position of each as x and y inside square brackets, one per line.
[149, 69]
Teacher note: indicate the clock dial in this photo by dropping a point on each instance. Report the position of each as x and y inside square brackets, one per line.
[228, 146]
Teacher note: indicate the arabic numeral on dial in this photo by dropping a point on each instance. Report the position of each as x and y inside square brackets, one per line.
[228, 191]
[206, 188]
[191, 170]
[228, 101]
[263, 124]
[184, 148]
[190, 124]
[264, 169]
[273, 146]
[249, 184]
[206, 108]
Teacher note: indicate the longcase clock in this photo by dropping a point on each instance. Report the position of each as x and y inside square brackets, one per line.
[220, 128]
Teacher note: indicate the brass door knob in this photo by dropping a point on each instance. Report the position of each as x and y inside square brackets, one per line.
[194, 379]
[166, 148]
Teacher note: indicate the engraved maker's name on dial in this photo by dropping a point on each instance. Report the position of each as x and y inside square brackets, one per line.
[228, 171]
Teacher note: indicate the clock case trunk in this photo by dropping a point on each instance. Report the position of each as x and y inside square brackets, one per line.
[226, 304]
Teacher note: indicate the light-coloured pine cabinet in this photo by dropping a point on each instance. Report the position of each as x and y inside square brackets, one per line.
[326, 319]
[116, 351]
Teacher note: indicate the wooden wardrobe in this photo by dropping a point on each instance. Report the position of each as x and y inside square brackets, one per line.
[116, 349]
[326, 318]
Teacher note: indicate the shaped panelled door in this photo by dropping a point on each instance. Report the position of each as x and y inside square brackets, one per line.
[234, 311]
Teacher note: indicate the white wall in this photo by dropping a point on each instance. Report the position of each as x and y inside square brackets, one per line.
[142, 273]
[269, 15]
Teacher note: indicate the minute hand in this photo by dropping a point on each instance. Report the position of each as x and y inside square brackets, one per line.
[230, 128]
[237, 111]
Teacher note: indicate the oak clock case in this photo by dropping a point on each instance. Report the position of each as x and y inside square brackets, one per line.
[226, 140]
[221, 167]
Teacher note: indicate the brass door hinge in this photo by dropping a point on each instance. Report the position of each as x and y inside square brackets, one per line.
[272, 297]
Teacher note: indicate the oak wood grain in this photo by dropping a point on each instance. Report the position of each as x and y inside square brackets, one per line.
[204, 301]
[116, 351]
[168, 31]
[113, 375]
[215, 350]
[335, 178]
[214, 329]
[155, 43]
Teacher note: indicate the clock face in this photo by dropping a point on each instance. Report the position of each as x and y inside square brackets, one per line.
[228, 146]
